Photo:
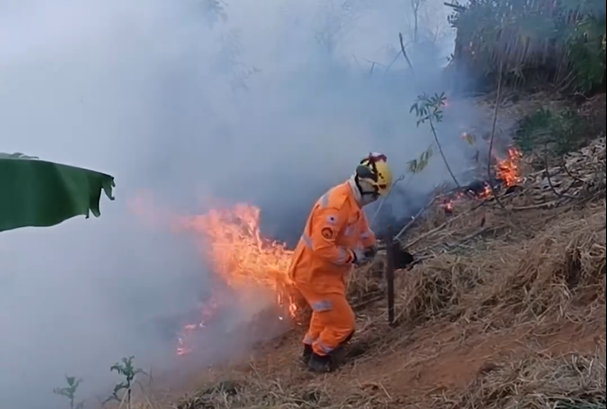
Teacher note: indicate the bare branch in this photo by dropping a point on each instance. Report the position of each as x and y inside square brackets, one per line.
[440, 150]
[402, 49]
[549, 178]
[492, 138]
[413, 219]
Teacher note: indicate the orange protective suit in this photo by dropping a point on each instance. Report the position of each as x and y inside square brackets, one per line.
[323, 259]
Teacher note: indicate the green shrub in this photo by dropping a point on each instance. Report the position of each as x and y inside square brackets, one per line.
[560, 131]
[586, 43]
[561, 42]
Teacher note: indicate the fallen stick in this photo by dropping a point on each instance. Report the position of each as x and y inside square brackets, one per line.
[370, 299]
[554, 203]
[389, 273]
[413, 219]
[442, 226]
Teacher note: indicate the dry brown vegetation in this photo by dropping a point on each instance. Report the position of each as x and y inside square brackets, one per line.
[506, 310]
[531, 42]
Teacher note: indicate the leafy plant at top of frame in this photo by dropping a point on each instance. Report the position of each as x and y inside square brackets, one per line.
[70, 391]
[214, 11]
[429, 109]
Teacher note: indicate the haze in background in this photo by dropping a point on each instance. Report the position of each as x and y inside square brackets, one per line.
[268, 102]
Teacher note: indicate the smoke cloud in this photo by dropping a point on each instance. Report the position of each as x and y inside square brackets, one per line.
[267, 102]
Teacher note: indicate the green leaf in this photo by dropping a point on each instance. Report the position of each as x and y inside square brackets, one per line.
[16, 155]
[412, 166]
[417, 165]
[468, 137]
[38, 193]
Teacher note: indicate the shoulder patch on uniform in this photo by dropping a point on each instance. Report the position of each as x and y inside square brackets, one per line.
[327, 233]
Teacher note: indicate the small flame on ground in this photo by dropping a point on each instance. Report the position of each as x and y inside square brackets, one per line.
[183, 340]
[506, 170]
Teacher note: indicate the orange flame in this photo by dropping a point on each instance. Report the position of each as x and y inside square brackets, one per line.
[507, 170]
[183, 340]
[241, 257]
[238, 252]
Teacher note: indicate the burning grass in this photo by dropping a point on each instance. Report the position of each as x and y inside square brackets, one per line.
[242, 259]
[518, 323]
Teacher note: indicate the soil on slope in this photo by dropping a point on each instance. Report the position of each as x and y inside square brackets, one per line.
[507, 310]
[520, 318]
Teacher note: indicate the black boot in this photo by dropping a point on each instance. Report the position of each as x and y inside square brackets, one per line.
[307, 354]
[338, 356]
[320, 363]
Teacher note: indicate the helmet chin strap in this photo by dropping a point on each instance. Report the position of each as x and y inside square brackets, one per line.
[363, 196]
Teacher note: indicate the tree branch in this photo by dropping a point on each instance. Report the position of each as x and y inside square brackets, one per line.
[413, 219]
[492, 138]
[402, 49]
[440, 150]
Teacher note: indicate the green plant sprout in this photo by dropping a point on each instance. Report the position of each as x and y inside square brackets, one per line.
[69, 391]
[414, 166]
[124, 388]
[430, 109]
[469, 138]
[417, 165]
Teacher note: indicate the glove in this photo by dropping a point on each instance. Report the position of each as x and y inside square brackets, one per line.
[359, 257]
[370, 252]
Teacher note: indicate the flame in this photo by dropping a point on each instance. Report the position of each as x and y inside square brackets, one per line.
[507, 170]
[238, 252]
[207, 311]
[448, 205]
[240, 256]
[232, 243]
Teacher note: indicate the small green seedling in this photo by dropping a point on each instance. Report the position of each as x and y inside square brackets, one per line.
[417, 165]
[69, 391]
[429, 109]
[122, 391]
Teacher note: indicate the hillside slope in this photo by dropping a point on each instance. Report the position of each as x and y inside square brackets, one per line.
[506, 310]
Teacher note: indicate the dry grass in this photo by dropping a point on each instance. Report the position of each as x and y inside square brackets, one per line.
[524, 272]
[507, 310]
[572, 381]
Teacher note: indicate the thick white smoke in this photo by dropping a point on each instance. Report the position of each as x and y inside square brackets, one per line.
[268, 102]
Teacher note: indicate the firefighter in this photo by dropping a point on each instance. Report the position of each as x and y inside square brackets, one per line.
[336, 237]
